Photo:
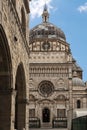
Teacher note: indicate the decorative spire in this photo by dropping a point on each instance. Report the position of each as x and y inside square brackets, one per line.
[45, 7]
[45, 15]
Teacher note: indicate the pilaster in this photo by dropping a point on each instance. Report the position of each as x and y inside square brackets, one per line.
[70, 110]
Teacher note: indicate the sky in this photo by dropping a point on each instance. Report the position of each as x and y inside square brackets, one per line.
[71, 17]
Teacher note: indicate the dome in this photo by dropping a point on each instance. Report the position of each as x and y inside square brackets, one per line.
[77, 82]
[46, 29]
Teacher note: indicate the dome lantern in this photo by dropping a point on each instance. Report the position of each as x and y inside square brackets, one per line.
[74, 74]
[45, 15]
[46, 30]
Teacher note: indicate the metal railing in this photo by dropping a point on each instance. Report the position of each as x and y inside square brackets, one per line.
[59, 122]
[34, 122]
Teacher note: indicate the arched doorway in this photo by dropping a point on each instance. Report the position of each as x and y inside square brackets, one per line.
[5, 82]
[20, 101]
[46, 115]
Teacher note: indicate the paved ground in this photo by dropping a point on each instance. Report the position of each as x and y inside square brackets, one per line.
[47, 129]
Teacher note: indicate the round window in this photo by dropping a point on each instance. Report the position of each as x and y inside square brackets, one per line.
[46, 46]
[46, 88]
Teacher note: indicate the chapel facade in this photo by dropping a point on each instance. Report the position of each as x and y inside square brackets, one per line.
[56, 88]
[14, 64]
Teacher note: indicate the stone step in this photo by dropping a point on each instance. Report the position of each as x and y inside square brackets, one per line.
[46, 125]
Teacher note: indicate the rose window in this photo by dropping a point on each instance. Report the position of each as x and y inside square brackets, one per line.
[46, 88]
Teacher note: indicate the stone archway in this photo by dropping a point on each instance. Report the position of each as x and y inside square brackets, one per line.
[5, 82]
[46, 115]
[20, 101]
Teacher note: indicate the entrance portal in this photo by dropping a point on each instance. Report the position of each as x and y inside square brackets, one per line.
[46, 115]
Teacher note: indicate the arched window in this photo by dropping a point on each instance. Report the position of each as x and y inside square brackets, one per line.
[78, 104]
[32, 112]
[23, 21]
[61, 112]
[14, 2]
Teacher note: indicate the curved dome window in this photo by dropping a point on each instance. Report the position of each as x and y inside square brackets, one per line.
[46, 88]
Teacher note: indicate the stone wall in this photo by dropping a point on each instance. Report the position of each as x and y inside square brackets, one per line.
[17, 45]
